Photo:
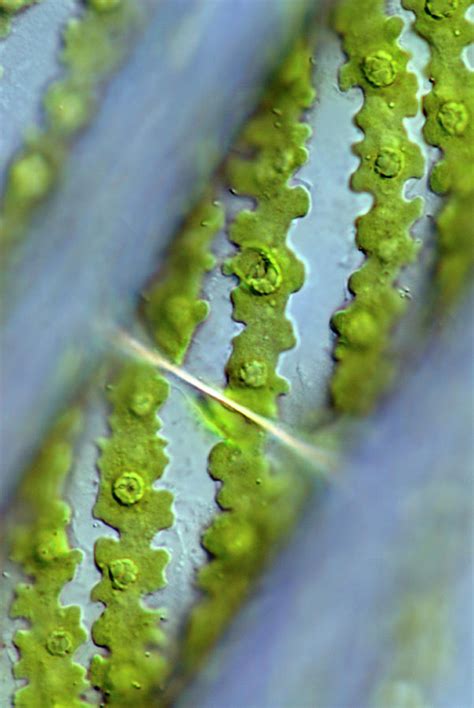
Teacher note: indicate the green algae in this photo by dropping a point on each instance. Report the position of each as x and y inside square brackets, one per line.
[132, 460]
[9, 8]
[258, 507]
[104, 5]
[15, 5]
[46, 660]
[377, 64]
[449, 110]
[5, 24]
[41, 547]
[173, 308]
[93, 47]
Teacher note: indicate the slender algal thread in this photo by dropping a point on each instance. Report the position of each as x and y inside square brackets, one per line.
[449, 110]
[40, 546]
[131, 462]
[378, 65]
[257, 507]
[9, 8]
[173, 308]
[93, 45]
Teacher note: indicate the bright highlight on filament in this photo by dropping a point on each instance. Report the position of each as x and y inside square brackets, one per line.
[318, 458]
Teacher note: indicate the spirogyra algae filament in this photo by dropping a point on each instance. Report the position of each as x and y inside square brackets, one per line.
[93, 48]
[173, 308]
[257, 507]
[8, 8]
[449, 109]
[388, 159]
[42, 549]
[132, 460]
